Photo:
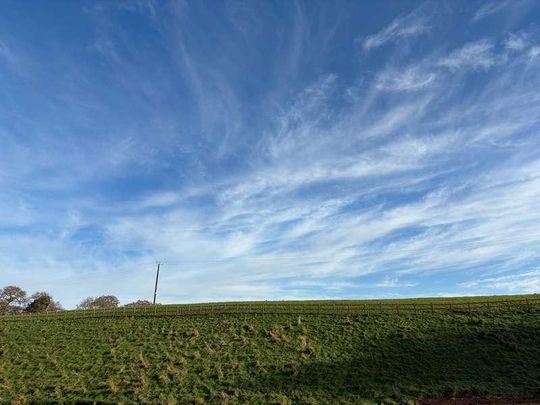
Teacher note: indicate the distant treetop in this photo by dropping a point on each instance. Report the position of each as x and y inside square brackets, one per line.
[104, 301]
[138, 303]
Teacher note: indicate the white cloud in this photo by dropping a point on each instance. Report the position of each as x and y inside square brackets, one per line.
[477, 55]
[517, 41]
[163, 199]
[263, 230]
[401, 27]
[394, 282]
[410, 79]
[527, 282]
[489, 9]
[533, 53]
[523, 43]
[409, 177]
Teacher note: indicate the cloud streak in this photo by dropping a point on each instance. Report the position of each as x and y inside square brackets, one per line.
[301, 169]
[489, 9]
[409, 25]
[474, 55]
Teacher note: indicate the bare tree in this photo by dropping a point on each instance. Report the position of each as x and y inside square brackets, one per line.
[138, 303]
[12, 300]
[87, 303]
[104, 301]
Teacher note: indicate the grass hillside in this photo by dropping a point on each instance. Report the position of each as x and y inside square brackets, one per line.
[211, 357]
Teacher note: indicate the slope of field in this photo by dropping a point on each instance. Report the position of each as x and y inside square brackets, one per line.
[210, 357]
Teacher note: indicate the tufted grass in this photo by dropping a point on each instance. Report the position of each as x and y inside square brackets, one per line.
[271, 358]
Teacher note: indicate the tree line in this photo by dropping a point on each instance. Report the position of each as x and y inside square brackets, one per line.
[14, 300]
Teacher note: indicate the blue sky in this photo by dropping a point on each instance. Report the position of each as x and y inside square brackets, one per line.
[270, 150]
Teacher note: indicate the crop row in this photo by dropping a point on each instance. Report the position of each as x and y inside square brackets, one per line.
[346, 308]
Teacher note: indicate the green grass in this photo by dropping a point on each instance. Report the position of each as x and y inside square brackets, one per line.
[277, 358]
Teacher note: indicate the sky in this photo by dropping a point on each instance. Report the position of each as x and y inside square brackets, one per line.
[268, 150]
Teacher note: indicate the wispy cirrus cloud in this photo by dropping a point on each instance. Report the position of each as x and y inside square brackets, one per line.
[490, 8]
[518, 41]
[405, 26]
[392, 282]
[525, 282]
[462, 224]
[410, 79]
[297, 169]
[533, 53]
[474, 55]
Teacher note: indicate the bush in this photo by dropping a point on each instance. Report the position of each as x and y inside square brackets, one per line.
[42, 302]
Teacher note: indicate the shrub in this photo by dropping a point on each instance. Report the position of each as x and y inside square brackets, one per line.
[42, 302]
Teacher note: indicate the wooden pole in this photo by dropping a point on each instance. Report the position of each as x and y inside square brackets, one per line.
[157, 280]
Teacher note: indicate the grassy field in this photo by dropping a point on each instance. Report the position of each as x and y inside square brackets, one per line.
[269, 357]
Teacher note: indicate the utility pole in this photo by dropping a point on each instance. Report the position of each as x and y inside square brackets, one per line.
[157, 279]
